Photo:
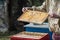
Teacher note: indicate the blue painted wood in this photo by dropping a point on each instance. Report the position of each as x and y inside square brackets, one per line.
[43, 30]
[38, 29]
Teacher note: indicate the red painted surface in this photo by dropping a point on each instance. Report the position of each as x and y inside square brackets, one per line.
[19, 38]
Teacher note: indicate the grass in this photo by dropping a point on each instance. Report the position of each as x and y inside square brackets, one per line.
[6, 36]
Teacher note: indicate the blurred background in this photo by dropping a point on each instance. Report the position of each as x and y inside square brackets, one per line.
[10, 10]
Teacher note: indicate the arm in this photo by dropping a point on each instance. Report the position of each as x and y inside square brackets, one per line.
[41, 8]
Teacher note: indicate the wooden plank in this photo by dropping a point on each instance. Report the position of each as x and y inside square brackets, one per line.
[33, 17]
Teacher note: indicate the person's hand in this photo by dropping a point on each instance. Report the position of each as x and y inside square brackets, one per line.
[51, 15]
[24, 9]
[54, 16]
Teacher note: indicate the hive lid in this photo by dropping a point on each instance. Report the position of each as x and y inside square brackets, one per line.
[33, 17]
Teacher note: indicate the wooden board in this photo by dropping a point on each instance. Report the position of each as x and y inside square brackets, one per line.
[30, 35]
[33, 17]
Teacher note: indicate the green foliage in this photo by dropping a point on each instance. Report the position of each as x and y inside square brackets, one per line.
[36, 2]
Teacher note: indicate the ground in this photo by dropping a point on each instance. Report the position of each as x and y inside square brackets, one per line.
[7, 35]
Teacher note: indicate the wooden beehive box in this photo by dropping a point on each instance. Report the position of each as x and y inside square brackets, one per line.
[33, 17]
[30, 36]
